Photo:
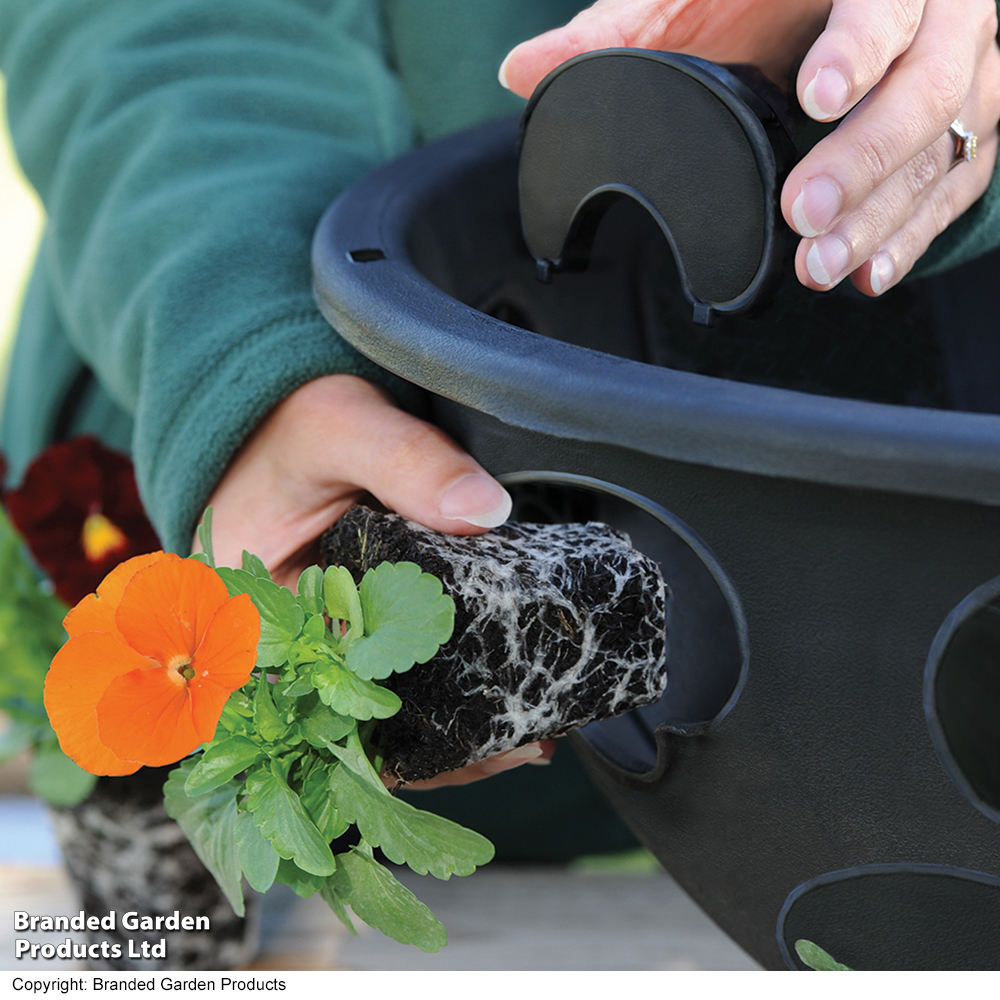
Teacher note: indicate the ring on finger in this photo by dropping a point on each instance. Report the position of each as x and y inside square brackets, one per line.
[965, 143]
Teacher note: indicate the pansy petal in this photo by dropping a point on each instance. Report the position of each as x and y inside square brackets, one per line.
[80, 673]
[206, 709]
[96, 612]
[146, 715]
[228, 652]
[166, 608]
[223, 661]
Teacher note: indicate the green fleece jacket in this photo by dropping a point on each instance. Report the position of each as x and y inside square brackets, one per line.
[184, 150]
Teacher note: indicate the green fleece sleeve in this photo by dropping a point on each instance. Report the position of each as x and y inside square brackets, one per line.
[971, 235]
[184, 151]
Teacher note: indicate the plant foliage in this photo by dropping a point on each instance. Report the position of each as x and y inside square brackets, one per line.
[295, 763]
[31, 633]
[813, 956]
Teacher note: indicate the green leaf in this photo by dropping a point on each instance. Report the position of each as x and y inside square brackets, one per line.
[221, 762]
[301, 883]
[237, 714]
[58, 780]
[310, 590]
[205, 537]
[254, 565]
[348, 694]
[314, 630]
[268, 724]
[299, 687]
[341, 597]
[281, 616]
[333, 900]
[422, 840]
[209, 822]
[258, 859]
[301, 652]
[283, 820]
[815, 958]
[318, 802]
[322, 726]
[382, 902]
[407, 618]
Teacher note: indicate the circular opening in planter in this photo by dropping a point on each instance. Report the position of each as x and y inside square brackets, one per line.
[707, 650]
[895, 917]
[962, 697]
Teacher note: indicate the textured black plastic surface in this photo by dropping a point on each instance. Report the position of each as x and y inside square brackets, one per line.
[885, 917]
[676, 134]
[848, 529]
[446, 218]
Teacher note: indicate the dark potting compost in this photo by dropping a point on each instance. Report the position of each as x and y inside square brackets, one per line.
[555, 626]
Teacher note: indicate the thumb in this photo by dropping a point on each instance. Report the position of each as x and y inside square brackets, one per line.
[418, 471]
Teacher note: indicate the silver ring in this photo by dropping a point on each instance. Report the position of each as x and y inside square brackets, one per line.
[965, 143]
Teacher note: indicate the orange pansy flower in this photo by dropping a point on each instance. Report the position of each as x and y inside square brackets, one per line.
[151, 660]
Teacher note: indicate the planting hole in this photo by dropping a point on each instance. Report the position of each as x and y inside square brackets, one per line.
[895, 917]
[962, 697]
[706, 631]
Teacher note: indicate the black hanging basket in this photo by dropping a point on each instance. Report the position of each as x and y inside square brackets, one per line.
[825, 763]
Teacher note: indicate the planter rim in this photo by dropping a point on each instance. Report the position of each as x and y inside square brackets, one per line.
[399, 319]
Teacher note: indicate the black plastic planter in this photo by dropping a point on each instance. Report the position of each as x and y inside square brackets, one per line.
[819, 547]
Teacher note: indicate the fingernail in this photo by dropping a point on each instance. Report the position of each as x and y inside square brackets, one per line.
[477, 499]
[502, 74]
[540, 761]
[825, 96]
[882, 273]
[818, 204]
[827, 260]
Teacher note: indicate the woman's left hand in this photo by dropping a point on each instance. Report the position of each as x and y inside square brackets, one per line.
[871, 197]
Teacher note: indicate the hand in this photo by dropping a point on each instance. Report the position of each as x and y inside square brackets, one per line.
[770, 34]
[871, 197]
[531, 753]
[318, 453]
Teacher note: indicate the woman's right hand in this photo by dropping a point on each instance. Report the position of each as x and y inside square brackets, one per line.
[315, 455]
[319, 451]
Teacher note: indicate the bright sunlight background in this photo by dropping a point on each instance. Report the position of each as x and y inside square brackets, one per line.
[21, 219]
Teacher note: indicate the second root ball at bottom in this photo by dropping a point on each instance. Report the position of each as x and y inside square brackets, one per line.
[556, 625]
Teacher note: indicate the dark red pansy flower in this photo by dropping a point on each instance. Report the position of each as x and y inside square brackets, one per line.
[79, 511]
